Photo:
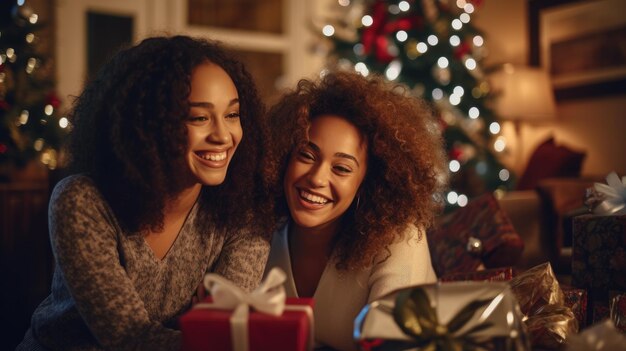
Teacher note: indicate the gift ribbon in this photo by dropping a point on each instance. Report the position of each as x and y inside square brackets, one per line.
[268, 298]
[614, 194]
[418, 319]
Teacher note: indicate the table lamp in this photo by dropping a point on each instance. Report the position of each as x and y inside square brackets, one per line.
[522, 94]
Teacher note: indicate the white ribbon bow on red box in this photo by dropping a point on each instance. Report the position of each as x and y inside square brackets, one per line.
[268, 298]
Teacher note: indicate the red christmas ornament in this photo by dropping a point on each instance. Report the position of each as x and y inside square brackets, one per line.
[382, 53]
[4, 105]
[455, 153]
[53, 99]
[476, 3]
[3, 148]
[375, 38]
[461, 50]
[401, 24]
[379, 14]
[369, 345]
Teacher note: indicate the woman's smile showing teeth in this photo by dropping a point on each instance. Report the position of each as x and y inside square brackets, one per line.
[212, 159]
[213, 156]
[305, 195]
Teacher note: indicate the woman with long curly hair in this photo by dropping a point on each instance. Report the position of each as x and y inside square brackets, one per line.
[358, 166]
[151, 208]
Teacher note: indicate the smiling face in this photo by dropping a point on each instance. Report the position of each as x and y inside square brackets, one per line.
[323, 177]
[213, 125]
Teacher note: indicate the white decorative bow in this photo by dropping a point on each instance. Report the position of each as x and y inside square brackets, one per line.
[268, 298]
[614, 195]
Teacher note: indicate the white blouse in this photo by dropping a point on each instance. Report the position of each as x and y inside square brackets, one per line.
[340, 295]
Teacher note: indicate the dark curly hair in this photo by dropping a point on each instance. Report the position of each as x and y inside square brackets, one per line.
[129, 133]
[405, 174]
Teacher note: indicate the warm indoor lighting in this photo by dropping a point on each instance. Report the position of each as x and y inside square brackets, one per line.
[455, 40]
[421, 47]
[328, 30]
[367, 20]
[442, 62]
[523, 93]
[437, 94]
[362, 68]
[402, 36]
[470, 63]
[393, 69]
[432, 40]
[478, 41]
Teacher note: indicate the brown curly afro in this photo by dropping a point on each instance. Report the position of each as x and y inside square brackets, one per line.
[129, 136]
[406, 164]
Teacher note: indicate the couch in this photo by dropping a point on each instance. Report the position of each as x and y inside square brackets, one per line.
[543, 218]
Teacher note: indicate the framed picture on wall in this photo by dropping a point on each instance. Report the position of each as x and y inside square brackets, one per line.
[582, 44]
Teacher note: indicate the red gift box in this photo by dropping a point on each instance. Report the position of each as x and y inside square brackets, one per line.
[206, 329]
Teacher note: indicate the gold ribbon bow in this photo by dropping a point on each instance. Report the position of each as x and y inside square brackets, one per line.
[418, 319]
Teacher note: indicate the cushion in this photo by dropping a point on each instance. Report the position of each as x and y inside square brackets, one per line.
[481, 221]
[562, 198]
[550, 161]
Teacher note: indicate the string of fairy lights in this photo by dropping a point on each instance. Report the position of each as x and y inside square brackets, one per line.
[459, 104]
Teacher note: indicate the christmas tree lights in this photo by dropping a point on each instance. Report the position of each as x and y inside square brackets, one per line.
[30, 126]
[432, 47]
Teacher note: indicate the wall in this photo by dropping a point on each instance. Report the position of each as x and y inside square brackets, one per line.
[595, 125]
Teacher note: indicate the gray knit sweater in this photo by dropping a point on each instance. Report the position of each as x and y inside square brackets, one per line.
[110, 291]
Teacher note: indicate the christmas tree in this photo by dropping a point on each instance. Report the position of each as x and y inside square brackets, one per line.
[30, 127]
[432, 47]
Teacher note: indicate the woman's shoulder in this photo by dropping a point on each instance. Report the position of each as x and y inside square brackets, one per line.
[75, 183]
[411, 234]
[75, 190]
[409, 242]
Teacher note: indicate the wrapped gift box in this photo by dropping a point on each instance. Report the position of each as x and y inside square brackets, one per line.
[601, 336]
[599, 259]
[576, 300]
[207, 329]
[443, 316]
[479, 234]
[502, 274]
[549, 320]
[618, 311]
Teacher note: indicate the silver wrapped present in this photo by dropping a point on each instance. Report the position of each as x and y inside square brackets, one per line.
[450, 316]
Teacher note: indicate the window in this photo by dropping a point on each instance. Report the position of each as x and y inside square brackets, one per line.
[249, 15]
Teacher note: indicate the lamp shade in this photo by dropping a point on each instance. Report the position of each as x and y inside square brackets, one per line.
[523, 93]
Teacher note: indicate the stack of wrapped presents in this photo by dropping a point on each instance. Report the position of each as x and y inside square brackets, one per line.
[480, 302]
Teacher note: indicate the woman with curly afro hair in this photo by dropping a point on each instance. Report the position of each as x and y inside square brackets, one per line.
[358, 165]
[165, 148]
